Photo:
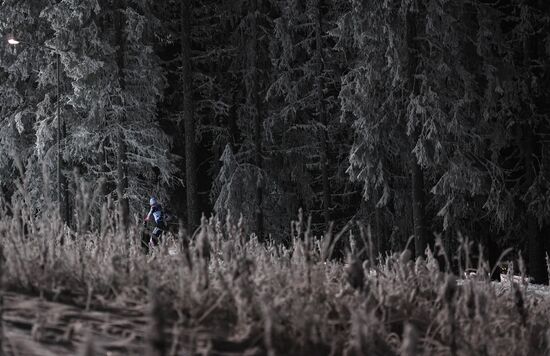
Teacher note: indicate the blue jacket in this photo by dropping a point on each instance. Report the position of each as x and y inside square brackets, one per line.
[157, 213]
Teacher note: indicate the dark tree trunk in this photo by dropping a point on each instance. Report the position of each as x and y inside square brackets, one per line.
[122, 180]
[448, 247]
[419, 216]
[322, 116]
[417, 175]
[257, 112]
[67, 208]
[189, 118]
[535, 246]
[545, 107]
[62, 189]
[534, 51]
[122, 171]
[380, 230]
[58, 136]
[233, 128]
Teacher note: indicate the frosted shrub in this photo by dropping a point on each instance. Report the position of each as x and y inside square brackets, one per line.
[274, 299]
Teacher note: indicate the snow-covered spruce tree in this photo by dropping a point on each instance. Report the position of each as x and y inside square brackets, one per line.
[117, 82]
[27, 105]
[515, 98]
[454, 145]
[475, 102]
[412, 97]
[459, 140]
[534, 32]
[492, 184]
[255, 107]
[196, 57]
[305, 126]
[381, 94]
[251, 66]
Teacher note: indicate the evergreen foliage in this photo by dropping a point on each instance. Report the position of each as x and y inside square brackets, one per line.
[308, 140]
[414, 117]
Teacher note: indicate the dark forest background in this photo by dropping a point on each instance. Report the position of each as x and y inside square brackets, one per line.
[425, 118]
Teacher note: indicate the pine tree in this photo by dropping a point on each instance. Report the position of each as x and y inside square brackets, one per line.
[250, 68]
[516, 99]
[28, 103]
[189, 116]
[117, 82]
[415, 16]
[305, 115]
[413, 98]
[254, 103]
[379, 94]
[206, 84]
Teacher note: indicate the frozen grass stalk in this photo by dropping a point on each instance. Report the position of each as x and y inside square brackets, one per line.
[158, 345]
[410, 341]
[89, 347]
[225, 278]
[1, 299]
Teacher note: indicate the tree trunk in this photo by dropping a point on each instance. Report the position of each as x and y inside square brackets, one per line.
[321, 113]
[122, 180]
[417, 176]
[67, 208]
[419, 218]
[448, 247]
[62, 191]
[544, 6]
[534, 52]
[232, 126]
[380, 231]
[535, 246]
[189, 118]
[257, 112]
[122, 171]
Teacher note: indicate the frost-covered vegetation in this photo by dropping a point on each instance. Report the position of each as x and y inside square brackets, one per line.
[266, 298]
[395, 125]
[416, 117]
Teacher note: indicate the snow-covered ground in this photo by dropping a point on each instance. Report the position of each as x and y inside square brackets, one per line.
[505, 284]
[530, 288]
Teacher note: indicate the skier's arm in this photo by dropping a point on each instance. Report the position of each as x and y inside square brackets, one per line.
[148, 217]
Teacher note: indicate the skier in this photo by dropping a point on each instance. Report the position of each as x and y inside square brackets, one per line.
[157, 214]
